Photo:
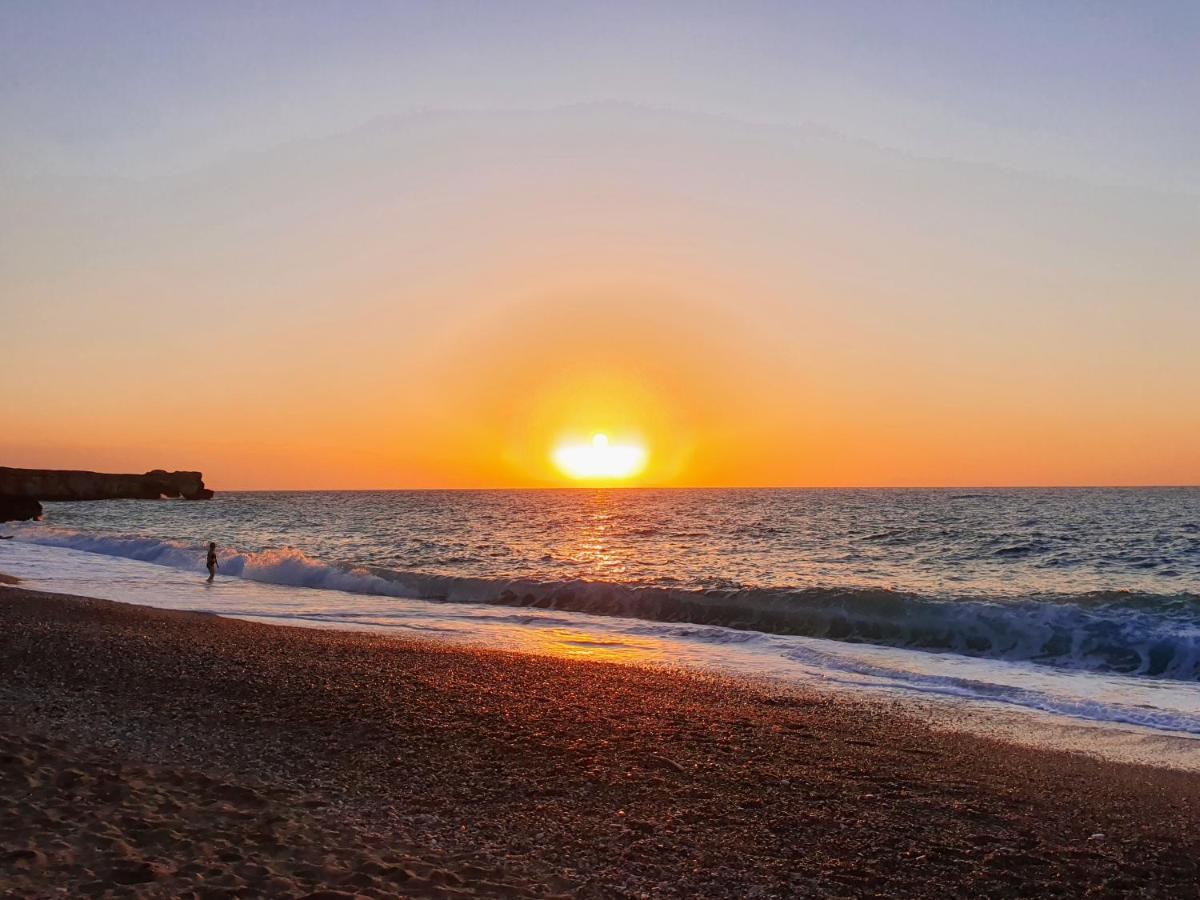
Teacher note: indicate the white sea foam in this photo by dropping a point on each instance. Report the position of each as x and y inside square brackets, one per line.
[1119, 632]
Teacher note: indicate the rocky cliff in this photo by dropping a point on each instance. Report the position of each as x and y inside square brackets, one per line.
[22, 489]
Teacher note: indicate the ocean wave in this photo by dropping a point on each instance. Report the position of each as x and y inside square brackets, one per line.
[1154, 635]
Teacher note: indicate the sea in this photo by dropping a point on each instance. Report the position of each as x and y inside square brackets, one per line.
[1076, 611]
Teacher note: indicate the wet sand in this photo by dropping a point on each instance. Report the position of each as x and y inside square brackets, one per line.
[154, 753]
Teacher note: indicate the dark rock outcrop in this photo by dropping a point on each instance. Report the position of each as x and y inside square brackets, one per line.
[19, 509]
[21, 489]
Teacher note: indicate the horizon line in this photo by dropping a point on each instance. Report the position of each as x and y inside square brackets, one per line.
[740, 487]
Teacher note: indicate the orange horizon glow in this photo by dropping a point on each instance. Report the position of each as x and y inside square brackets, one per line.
[751, 307]
[493, 415]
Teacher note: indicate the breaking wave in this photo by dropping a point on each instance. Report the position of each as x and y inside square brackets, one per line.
[1155, 635]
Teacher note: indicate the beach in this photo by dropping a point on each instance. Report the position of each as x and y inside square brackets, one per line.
[158, 753]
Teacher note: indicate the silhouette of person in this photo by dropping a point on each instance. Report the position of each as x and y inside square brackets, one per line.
[211, 562]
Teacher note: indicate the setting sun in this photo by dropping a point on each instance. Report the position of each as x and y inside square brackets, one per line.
[599, 459]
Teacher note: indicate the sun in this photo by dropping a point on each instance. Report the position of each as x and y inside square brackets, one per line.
[599, 459]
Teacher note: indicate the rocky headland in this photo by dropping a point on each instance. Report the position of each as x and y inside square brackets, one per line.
[22, 491]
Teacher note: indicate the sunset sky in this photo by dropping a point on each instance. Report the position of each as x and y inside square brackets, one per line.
[318, 245]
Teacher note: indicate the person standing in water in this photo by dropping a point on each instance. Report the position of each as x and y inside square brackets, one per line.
[211, 562]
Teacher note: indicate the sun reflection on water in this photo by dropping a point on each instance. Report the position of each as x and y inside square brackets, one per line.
[575, 644]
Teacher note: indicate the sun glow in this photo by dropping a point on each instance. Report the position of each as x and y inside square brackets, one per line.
[600, 459]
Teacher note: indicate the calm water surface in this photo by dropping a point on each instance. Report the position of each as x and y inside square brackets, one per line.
[943, 542]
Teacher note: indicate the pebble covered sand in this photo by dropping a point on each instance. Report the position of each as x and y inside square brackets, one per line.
[163, 754]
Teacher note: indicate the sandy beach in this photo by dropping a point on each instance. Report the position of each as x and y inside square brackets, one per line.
[154, 753]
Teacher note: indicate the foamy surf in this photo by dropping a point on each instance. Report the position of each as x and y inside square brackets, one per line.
[1141, 719]
[1121, 632]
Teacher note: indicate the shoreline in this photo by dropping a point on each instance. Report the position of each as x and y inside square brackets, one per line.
[292, 759]
[1128, 732]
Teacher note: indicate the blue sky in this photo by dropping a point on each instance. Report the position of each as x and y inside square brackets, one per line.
[1103, 91]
